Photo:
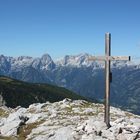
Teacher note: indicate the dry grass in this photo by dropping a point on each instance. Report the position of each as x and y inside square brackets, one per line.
[25, 130]
[3, 113]
[9, 138]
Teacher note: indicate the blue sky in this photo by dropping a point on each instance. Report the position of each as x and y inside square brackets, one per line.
[60, 27]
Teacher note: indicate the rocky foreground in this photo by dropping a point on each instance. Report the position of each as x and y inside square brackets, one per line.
[67, 120]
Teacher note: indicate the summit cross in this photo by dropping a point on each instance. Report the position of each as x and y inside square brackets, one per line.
[108, 75]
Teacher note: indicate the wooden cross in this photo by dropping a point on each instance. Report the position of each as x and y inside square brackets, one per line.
[108, 58]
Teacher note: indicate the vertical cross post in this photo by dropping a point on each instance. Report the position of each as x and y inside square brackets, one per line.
[107, 78]
[108, 58]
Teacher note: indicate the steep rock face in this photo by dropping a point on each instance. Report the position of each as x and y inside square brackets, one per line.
[5, 64]
[43, 63]
[47, 63]
[67, 119]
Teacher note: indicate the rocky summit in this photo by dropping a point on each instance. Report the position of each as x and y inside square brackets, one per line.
[67, 120]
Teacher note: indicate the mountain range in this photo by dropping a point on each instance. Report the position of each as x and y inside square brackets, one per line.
[80, 75]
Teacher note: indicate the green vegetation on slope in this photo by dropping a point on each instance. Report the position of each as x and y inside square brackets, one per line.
[17, 93]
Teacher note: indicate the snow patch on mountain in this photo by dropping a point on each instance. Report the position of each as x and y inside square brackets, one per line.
[78, 61]
[20, 62]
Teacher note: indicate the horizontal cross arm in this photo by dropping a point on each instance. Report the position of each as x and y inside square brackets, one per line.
[111, 58]
[99, 58]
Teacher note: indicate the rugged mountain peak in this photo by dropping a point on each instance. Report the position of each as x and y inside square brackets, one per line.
[73, 60]
[45, 58]
[47, 62]
[3, 59]
[79, 60]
